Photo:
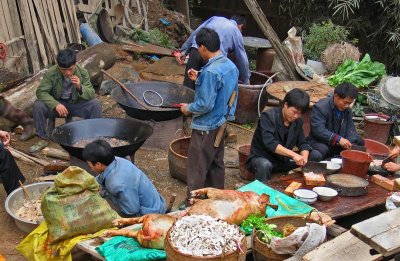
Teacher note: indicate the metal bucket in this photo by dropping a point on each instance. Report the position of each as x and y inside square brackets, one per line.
[177, 158]
[16, 199]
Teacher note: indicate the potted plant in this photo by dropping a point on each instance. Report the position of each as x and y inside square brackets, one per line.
[318, 38]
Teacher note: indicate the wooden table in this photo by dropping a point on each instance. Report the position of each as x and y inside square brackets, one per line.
[339, 206]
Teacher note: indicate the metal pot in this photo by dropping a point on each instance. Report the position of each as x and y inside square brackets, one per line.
[134, 131]
[170, 92]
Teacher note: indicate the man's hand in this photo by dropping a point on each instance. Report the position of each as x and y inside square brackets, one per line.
[394, 152]
[345, 143]
[391, 166]
[61, 110]
[192, 74]
[180, 58]
[299, 160]
[5, 137]
[184, 109]
[76, 81]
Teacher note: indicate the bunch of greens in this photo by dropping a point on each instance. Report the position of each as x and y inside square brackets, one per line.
[153, 36]
[258, 222]
[361, 74]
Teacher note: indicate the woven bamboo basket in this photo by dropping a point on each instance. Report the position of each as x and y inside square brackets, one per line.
[261, 251]
[175, 255]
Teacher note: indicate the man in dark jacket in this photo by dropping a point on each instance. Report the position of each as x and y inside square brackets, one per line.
[65, 91]
[332, 126]
[278, 131]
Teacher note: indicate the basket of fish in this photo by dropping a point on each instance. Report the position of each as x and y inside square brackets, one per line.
[26, 210]
[201, 237]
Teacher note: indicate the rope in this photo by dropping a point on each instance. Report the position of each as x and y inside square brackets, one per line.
[3, 52]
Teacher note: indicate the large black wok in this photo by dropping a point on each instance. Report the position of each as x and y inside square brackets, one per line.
[170, 92]
[131, 130]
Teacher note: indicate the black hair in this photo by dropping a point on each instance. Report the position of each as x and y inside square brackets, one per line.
[209, 38]
[66, 58]
[98, 151]
[346, 89]
[239, 19]
[297, 98]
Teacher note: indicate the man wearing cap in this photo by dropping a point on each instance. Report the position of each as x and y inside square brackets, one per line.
[332, 126]
[232, 46]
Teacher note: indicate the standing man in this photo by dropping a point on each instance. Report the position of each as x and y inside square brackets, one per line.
[278, 131]
[65, 91]
[231, 45]
[126, 187]
[332, 126]
[215, 84]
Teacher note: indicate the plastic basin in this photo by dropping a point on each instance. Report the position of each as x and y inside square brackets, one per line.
[355, 162]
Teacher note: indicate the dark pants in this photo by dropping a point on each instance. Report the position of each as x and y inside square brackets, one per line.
[325, 151]
[11, 113]
[9, 171]
[44, 117]
[263, 168]
[194, 62]
[205, 165]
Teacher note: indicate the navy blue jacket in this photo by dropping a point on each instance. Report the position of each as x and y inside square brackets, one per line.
[270, 132]
[325, 128]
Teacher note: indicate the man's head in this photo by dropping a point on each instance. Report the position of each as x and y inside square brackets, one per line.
[66, 60]
[344, 95]
[208, 41]
[240, 21]
[98, 154]
[295, 103]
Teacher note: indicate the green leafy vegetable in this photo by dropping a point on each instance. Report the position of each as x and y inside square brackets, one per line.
[258, 222]
[361, 74]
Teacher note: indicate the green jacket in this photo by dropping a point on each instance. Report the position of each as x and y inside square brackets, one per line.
[50, 88]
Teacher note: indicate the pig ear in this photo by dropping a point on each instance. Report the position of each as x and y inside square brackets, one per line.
[263, 199]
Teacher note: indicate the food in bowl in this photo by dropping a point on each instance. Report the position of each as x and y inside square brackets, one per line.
[31, 211]
[325, 193]
[305, 195]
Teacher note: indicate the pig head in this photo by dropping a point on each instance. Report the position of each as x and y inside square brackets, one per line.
[153, 231]
[229, 205]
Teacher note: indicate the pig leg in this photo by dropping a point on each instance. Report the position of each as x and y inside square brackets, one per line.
[216, 193]
[121, 232]
[194, 200]
[120, 222]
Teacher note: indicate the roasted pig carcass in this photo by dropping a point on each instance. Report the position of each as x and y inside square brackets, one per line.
[230, 205]
[153, 231]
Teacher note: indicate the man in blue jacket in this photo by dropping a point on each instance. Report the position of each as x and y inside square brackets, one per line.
[278, 131]
[332, 126]
[215, 84]
[126, 187]
[231, 45]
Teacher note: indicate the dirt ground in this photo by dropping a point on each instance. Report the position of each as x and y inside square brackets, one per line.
[154, 162]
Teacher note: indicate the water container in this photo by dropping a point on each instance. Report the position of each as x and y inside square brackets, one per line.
[90, 36]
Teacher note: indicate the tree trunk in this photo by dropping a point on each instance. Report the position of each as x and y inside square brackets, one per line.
[269, 32]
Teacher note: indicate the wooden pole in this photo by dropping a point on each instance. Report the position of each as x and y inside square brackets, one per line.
[182, 6]
[269, 32]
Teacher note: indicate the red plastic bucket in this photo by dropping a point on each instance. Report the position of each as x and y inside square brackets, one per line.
[355, 162]
[244, 152]
[377, 129]
[376, 148]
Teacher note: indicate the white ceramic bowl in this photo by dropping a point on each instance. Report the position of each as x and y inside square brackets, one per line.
[325, 193]
[332, 167]
[305, 195]
[336, 160]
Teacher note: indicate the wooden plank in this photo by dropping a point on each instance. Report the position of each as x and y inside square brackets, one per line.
[380, 232]
[20, 45]
[75, 18]
[149, 49]
[345, 247]
[38, 34]
[339, 206]
[31, 42]
[53, 22]
[8, 26]
[69, 20]
[60, 26]
[52, 50]
[50, 25]
[64, 13]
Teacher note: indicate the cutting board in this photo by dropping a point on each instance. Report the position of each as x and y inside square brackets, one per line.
[347, 185]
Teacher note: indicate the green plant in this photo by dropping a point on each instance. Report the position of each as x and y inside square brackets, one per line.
[153, 36]
[320, 36]
[358, 110]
